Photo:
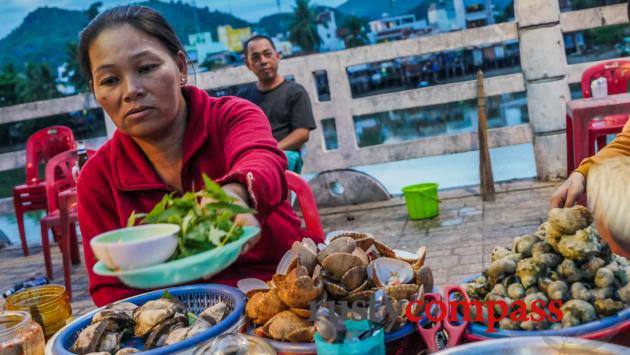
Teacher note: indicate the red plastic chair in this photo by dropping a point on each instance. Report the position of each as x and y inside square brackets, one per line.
[62, 213]
[617, 74]
[31, 196]
[307, 203]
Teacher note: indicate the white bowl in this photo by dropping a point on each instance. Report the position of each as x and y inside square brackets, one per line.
[135, 247]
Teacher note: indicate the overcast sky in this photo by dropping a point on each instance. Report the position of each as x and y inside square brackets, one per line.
[12, 12]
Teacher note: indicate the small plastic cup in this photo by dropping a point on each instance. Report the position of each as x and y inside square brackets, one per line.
[374, 345]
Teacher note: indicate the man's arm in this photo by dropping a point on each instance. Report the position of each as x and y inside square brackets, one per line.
[295, 139]
[302, 120]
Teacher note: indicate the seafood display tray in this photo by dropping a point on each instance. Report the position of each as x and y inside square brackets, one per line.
[480, 330]
[196, 298]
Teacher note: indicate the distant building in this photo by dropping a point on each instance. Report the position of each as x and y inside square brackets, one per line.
[233, 38]
[398, 27]
[283, 46]
[478, 13]
[327, 30]
[200, 46]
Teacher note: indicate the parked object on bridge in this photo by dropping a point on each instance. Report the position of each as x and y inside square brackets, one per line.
[344, 187]
[40, 147]
[422, 200]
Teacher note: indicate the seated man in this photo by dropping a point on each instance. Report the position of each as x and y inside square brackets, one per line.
[285, 103]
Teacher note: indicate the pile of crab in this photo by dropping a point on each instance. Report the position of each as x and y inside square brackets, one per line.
[565, 260]
[352, 267]
[159, 323]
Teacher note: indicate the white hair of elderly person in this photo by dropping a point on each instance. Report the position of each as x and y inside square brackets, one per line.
[608, 191]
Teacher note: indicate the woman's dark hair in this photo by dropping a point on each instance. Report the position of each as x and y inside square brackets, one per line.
[141, 18]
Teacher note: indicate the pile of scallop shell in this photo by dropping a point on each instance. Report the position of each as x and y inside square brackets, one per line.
[159, 322]
[351, 267]
[565, 259]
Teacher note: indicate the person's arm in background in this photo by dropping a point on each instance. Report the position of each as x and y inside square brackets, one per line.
[295, 140]
[302, 121]
[575, 185]
[97, 214]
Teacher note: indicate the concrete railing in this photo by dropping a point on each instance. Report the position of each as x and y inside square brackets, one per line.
[545, 76]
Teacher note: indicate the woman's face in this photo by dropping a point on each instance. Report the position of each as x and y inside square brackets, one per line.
[137, 81]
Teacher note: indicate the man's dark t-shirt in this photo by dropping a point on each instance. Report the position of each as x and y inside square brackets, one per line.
[287, 106]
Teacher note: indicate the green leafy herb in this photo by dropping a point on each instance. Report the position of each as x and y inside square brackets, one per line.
[167, 295]
[192, 318]
[203, 226]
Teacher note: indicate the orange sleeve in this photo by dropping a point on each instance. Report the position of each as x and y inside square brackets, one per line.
[620, 146]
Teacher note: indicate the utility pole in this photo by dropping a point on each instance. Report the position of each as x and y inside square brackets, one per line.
[485, 165]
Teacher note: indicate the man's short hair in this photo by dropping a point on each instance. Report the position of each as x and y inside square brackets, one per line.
[257, 37]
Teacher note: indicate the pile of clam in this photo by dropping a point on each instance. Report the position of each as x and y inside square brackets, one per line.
[160, 322]
[565, 260]
[352, 267]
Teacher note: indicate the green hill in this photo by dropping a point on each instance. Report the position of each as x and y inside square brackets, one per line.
[42, 37]
[43, 34]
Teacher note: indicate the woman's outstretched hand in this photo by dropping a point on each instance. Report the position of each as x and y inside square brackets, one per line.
[239, 193]
[569, 192]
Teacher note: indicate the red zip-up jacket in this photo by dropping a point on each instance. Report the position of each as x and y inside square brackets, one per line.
[227, 138]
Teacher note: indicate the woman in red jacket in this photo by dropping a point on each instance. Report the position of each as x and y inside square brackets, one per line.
[168, 135]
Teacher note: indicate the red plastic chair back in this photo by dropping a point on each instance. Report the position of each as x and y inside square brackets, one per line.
[307, 203]
[59, 176]
[616, 72]
[43, 145]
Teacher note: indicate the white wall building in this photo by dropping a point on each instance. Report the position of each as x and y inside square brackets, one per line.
[398, 27]
[478, 13]
[201, 46]
[327, 30]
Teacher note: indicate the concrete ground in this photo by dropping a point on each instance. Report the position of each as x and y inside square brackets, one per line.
[459, 240]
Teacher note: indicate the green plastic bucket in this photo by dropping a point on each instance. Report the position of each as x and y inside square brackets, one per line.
[422, 200]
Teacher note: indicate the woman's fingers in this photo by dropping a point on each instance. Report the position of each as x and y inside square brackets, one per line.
[559, 196]
[246, 219]
[569, 192]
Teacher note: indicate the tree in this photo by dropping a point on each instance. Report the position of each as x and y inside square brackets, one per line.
[585, 4]
[93, 10]
[354, 34]
[37, 84]
[8, 86]
[303, 27]
[74, 69]
[507, 14]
